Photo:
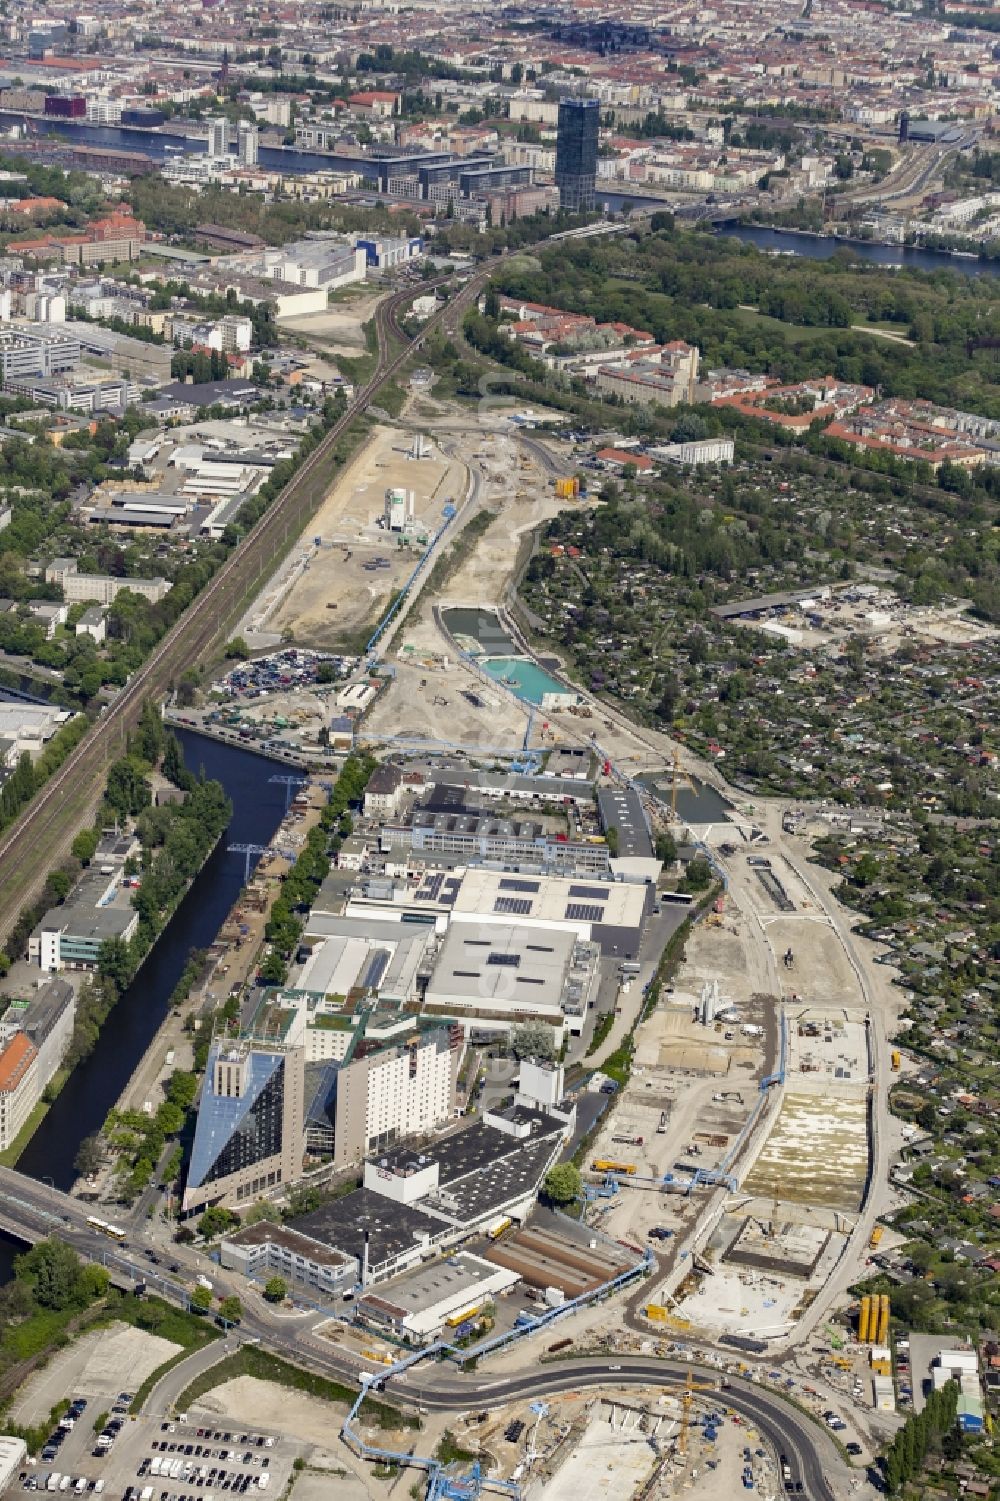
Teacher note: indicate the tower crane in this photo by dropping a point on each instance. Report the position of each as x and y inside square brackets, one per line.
[687, 1402]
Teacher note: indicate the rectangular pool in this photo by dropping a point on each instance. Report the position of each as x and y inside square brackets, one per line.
[522, 677]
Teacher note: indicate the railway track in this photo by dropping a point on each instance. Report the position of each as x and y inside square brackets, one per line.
[39, 838]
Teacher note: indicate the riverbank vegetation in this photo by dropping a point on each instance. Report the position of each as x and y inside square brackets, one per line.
[300, 885]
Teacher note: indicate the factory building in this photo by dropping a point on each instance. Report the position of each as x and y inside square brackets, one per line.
[420, 1307]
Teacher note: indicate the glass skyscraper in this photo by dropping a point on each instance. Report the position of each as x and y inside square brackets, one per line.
[576, 154]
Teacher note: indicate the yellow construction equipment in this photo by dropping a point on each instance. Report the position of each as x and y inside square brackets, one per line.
[605, 1165]
[896, 1060]
[657, 1314]
[864, 1321]
[568, 487]
[687, 1402]
[679, 775]
[883, 1320]
[875, 1237]
[842, 1363]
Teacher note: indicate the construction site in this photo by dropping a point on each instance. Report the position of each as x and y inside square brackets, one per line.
[397, 495]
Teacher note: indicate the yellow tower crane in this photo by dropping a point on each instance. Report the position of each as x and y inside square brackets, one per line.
[687, 1402]
[679, 775]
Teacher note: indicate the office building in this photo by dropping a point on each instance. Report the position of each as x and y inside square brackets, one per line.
[247, 144]
[46, 1019]
[576, 154]
[249, 1134]
[218, 137]
[39, 350]
[97, 910]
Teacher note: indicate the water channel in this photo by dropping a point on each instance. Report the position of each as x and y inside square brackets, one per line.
[94, 1086]
[162, 145]
[822, 247]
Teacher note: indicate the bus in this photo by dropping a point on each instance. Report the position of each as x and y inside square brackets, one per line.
[114, 1232]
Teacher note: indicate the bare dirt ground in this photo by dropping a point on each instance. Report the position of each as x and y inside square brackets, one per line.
[334, 598]
[337, 329]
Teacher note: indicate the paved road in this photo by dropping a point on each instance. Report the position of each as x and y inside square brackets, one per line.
[40, 1210]
[811, 1453]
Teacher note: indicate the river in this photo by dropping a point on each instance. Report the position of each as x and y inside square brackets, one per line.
[822, 247]
[93, 1087]
[155, 144]
[162, 145]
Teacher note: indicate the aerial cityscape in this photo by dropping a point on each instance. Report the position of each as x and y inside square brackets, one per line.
[500, 751]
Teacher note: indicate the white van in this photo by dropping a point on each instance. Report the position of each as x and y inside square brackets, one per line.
[263, 1481]
[98, 1487]
[52, 1484]
[65, 1482]
[81, 1485]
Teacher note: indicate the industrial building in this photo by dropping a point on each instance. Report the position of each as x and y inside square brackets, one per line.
[542, 1258]
[414, 1204]
[420, 1306]
[610, 913]
[507, 974]
[448, 820]
[269, 1250]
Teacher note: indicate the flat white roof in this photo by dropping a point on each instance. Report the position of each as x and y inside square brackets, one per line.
[498, 967]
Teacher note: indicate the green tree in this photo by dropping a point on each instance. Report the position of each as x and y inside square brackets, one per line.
[275, 1289]
[85, 845]
[665, 848]
[53, 1270]
[231, 1310]
[562, 1183]
[201, 1299]
[89, 1155]
[216, 1221]
[532, 1040]
[697, 874]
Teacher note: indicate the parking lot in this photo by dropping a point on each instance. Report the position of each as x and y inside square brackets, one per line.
[146, 1459]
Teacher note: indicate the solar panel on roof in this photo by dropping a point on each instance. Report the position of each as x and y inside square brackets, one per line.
[583, 912]
[510, 961]
[508, 883]
[594, 893]
[512, 906]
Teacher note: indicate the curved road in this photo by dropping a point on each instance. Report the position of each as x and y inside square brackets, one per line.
[811, 1454]
[33, 1207]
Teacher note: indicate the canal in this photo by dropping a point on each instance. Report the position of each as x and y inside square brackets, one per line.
[93, 1087]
